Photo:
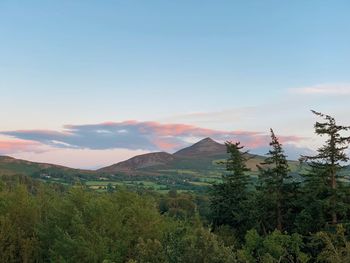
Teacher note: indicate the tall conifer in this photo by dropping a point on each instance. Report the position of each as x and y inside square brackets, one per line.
[275, 179]
[229, 198]
[329, 161]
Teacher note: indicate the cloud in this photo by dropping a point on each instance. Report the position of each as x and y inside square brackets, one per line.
[134, 135]
[17, 146]
[324, 89]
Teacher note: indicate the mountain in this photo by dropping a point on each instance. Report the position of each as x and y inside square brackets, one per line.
[140, 162]
[205, 147]
[203, 158]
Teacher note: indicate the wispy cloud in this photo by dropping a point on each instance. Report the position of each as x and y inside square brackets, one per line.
[16, 146]
[134, 135]
[324, 89]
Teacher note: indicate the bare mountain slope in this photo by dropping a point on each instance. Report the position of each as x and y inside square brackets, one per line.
[205, 147]
[140, 162]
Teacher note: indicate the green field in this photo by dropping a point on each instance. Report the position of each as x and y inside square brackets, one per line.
[143, 184]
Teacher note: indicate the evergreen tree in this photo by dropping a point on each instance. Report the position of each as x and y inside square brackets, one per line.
[275, 181]
[325, 177]
[230, 198]
[236, 166]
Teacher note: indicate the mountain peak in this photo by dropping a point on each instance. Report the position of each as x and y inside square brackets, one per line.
[206, 146]
[207, 140]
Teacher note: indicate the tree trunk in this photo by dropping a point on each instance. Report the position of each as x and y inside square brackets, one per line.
[334, 201]
[279, 216]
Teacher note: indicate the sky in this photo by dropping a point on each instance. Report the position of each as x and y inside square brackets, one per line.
[88, 83]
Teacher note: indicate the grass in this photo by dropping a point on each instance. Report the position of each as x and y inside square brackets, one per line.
[145, 184]
[201, 183]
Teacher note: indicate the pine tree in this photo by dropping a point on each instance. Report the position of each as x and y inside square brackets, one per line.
[236, 166]
[329, 161]
[275, 180]
[229, 198]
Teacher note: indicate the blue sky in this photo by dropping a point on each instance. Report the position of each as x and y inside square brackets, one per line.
[219, 65]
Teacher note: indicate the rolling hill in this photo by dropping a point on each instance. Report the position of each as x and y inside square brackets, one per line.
[139, 162]
[195, 166]
[203, 158]
[13, 166]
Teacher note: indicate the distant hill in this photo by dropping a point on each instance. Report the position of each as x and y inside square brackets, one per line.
[140, 162]
[203, 158]
[13, 166]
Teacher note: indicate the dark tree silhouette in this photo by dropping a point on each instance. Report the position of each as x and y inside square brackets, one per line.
[330, 157]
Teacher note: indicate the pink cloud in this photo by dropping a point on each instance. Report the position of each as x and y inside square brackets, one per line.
[16, 146]
[134, 135]
[184, 129]
[165, 145]
[177, 129]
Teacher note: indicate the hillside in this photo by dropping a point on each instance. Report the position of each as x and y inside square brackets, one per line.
[198, 164]
[140, 162]
[205, 147]
[202, 159]
[13, 166]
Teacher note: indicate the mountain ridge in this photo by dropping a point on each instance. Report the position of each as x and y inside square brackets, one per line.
[201, 157]
[204, 147]
[204, 157]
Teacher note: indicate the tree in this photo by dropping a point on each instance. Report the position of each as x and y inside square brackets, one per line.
[329, 160]
[18, 221]
[176, 205]
[110, 188]
[229, 199]
[336, 247]
[274, 248]
[275, 180]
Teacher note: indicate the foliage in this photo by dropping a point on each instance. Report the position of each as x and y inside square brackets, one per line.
[276, 186]
[275, 247]
[79, 225]
[324, 182]
[230, 199]
[180, 206]
[336, 246]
